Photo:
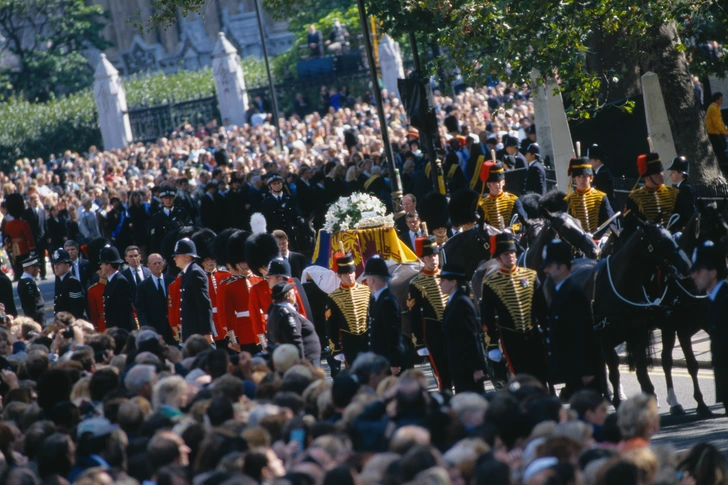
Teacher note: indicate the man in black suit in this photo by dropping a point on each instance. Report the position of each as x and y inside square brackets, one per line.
[31, 299]
[279, 208]
[709, 273]
[687, 197]
[603, 179]
[572, 348]
[195, 304]
[79, 266]
[536, 174]
[69, 295]
[238, 217]
[413, 231]
[118, 299]
[36, 216]
[296, 261]
[385, 317]
[304, 191]
[409, 204]
[212, 211]
[151, 298]
[135, 272]
[169, 218]
[462, 332]
[184, 199]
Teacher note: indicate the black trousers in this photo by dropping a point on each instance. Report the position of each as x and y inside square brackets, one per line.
[17, 264]
[525, 353]
[719, 146]
[434, 338]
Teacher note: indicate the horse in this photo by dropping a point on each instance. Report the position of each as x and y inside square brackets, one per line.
[625, 311]
[563, 226]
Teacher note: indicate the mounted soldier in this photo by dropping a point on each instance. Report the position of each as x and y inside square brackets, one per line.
[655, 201]
[499, 207]
[589, 205]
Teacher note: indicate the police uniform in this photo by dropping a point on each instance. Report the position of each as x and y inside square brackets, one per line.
[426, 305]
[347, 315]
[656, 205]
[509, 308]
[280, 212]
[687, 197]
[69, 295]
[499, 209]
[385, 318]
[31, 299]
[164, 220]
[203, 240]
[118, 298]
[96, 313]
[603, 178]
[287, 326]
[591, 206]
[194, 300]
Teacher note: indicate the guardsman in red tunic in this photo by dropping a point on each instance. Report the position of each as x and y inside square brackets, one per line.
[234, 297]
[95, 298]
[260, 250]
[204, 241]
[174, 293]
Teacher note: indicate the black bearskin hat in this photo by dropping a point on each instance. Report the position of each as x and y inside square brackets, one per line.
[219, 246]
[530, 203]
[92, 250]
[15, 205]
[203, 240]
[236, 247]
[260, 249]
[462, 206]
[170, 240]
[432, 210]
[554, 201]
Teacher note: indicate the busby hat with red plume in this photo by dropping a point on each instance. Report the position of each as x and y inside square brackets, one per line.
[492, 172]
[649, 164]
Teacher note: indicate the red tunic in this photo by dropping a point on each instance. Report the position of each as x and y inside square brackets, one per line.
[174, 293]
[234, 298]
[96, 305]
[260, 300]
[213, 284]
[20, 236]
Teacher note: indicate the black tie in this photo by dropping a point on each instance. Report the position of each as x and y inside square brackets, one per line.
[136, 277]
[159, 287]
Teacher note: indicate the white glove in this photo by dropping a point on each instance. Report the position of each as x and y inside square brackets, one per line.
[423, 352]
[340, 357]
[495, 355]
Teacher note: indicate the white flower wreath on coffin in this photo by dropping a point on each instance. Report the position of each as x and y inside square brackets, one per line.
[358, 211]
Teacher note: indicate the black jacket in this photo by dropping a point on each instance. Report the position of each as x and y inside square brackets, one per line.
[572, 348]
[6, 295]
[57, 232]
[69, 296]
[238, 216]
[184, 200]
[130, 278]
[151, 306]
[385, 323]
[297, 262]
[83, 273]
[195, 304]
[304, 195]
[280, 213]
[462, 337]
[287, 326]
[212, 212]
[536, 178]
[162, 223]
[685, 205]
[31, 300]
[604, 182]
[718, 330]
[118, 303]
[37, 223]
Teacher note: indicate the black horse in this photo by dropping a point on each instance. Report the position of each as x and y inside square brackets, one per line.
[628, 301]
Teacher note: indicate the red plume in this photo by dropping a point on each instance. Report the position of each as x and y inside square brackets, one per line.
[485, 170]
[419, 242]
[493, 244]
[335, 258]
[642, 164]
[84, 250]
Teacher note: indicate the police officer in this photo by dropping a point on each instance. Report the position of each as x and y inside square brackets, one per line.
[687, 197]
[279, 208]
[30, 297]
[346, 313]
[510, 307]
[426, 304]
[287, 326]
[69, 296]
[499, 207]
[118, 294]
[603, 179]
[655, 201]
[589, 205]
[163, 221]
[536, 174]
[573, 352]
[195, 305]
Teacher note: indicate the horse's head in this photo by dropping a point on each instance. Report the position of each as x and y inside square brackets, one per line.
[662, 248]
[713, 225]
[569, 229]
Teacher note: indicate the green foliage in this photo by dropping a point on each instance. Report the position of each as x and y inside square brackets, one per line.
[160, 88]
[166, 13]
[51, 62]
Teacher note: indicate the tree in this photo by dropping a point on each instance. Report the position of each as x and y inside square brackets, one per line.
[46, 41]
[596, 49]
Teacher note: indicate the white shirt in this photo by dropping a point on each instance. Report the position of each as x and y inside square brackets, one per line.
[26, 275]
[108, 280]
[159, 281]
[139, 273]
[596, 170]
[188, 265]
[413, 236]
[379, 292]
[714, 293]
[558, 287]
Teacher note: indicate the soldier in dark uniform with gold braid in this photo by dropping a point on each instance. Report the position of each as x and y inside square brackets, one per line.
[655, 200]
[426, 305]
[586, 203]
[511, 305]
[499, 206]
[347, 313]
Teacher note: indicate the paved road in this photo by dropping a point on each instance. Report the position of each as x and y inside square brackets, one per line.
[680, 432]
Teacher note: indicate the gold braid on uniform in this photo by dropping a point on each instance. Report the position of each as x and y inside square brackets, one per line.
[515, 290]
[498, 210]
[430, 289]
[353, 303]
[585, 207]
[652, 203]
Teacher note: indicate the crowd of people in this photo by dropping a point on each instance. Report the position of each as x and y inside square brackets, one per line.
[188, 336]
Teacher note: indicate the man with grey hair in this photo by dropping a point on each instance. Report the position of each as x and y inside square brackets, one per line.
[370, 369]
[140, 380]
[638, 420]
[470, 408]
